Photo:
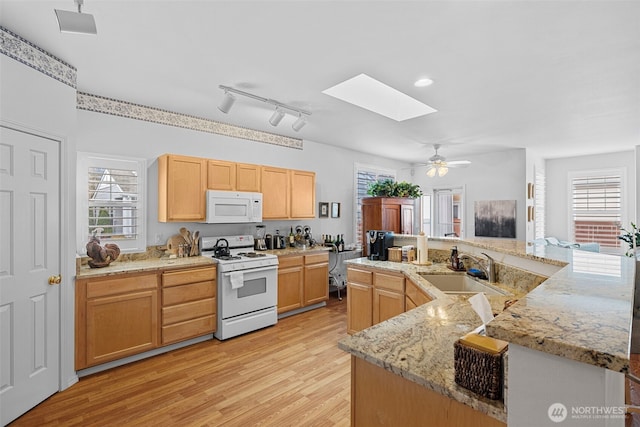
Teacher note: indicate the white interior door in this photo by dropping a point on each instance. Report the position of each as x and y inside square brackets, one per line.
[30, 255]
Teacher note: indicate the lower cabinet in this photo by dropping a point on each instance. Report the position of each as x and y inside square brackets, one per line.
[188, 304]
[115, 317]
[130, 313]
[303, 280]
[414, 296]
[373, 296]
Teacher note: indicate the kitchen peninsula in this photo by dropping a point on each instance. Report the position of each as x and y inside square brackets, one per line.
[577, 323]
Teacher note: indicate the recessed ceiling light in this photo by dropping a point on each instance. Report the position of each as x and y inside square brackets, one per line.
[423, 82]
[373, 95]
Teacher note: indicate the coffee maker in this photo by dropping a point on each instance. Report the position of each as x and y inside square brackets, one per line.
[379, 241]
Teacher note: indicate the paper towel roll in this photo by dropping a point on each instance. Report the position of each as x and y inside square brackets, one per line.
[423, 249]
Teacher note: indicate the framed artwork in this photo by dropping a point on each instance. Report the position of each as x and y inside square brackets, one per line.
[323, 211]
[495, 218]
[335, 210]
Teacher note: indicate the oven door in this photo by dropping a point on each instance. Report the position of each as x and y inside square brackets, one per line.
[249, 290]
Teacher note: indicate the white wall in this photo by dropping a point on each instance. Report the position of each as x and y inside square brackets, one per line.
[495, 176]
[107, 134]
[558, 199]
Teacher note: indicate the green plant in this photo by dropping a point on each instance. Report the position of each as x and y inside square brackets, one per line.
[628, 237]
[390, 188]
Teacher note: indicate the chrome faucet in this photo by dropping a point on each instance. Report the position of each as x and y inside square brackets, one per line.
[487, 266]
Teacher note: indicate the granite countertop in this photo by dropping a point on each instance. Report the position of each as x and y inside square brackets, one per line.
[141, 265]
[298, 251]
[583, 312]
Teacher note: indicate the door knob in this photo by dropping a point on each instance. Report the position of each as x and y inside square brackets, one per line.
[55, 280]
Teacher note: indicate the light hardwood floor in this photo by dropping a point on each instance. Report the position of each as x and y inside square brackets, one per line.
[291, 374]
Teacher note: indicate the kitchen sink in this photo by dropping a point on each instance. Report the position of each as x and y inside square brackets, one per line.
[459, 284]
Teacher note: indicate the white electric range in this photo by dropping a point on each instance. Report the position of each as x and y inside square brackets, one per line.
[247, 285]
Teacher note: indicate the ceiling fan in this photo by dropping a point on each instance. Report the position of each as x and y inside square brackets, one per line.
[438, 164]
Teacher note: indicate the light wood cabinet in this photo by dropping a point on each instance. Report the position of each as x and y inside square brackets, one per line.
[373, 296]
[359, 299]
[231, 176]
[248, 177]
[115, 317]
[290, 283]
[316, 278]
[188, 304]
[303, 280]
[275, 193]
[387, 213]
[303, 194]
[288, 194]
[221, 175]
[414, 296]
[382, 398]
[182, 183]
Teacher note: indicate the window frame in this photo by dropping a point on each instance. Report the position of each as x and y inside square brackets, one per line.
[598, 173]
[357, 206]
[86, 160]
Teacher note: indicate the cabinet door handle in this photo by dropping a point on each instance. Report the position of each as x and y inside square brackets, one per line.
[55, 280]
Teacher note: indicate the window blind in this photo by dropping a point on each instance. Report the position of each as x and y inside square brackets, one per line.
[597, 209]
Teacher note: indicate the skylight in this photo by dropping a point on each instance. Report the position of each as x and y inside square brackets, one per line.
[368, 93]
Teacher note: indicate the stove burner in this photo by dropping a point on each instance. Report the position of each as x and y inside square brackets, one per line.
[251, 254]
[226, 257]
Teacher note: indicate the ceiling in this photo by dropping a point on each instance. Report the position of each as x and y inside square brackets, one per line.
[559, 77]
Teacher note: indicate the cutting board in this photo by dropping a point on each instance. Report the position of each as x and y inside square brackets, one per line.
[174, 242]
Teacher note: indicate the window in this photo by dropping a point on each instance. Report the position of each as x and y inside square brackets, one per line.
[111, 201]
[596, 207]
[364, 175]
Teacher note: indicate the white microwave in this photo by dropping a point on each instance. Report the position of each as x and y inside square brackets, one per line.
[228, 207]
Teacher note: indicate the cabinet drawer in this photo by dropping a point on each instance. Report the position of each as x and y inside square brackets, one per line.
[316, 258]
[289, 261]
[186, 293]
[389, 281]
[189, 329]
[188, 310]
[119, 285]
[359, 276]
[174, 278]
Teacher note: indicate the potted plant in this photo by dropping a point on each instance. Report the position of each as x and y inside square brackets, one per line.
[391, 188]
[628, 237]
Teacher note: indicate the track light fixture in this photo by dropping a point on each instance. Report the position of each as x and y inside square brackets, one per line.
[76, 23]
[277, 116]
[227, 102]
[299, 123]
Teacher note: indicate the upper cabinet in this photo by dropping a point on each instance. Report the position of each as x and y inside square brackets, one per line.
[288, 194]
[181, 188]
[303, 194]
[183, 181]
[248, 177]
[275, 193]
[221, 175]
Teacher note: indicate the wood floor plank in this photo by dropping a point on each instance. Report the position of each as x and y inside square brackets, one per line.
[291, 374]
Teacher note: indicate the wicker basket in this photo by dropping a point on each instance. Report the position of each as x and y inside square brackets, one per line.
[478, 370]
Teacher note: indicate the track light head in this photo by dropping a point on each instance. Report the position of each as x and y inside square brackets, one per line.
[276, 117]
[76, 23]
[227, 102]
[299, 123]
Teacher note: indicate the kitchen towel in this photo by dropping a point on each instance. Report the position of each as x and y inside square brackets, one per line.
[423, 249]
[237, 279]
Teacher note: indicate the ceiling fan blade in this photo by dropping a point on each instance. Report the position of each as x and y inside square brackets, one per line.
[458, 163]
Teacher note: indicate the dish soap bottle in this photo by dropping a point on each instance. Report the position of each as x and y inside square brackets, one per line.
[455, 261]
